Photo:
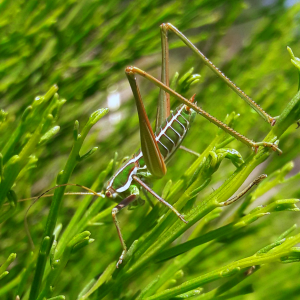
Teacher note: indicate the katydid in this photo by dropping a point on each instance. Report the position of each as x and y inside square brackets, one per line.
[171, 128]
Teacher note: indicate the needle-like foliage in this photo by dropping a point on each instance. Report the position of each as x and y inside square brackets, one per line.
[78, 50]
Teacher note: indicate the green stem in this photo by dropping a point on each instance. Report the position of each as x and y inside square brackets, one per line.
[226, 271]
[63, 260]
[11, 285]
[17, 162]
[57, 198]
[82, 216]
[243, 274]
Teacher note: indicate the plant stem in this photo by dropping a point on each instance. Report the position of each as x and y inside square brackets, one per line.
[57, 198]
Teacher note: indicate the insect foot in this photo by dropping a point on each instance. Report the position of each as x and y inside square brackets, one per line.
[129, 70]
[273, 146]
[181, 217]
[133, 70]
[121, 258]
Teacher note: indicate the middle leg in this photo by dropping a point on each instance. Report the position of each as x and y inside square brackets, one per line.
[114, 212]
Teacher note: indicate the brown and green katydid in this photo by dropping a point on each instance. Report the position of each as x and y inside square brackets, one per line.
[171, 128]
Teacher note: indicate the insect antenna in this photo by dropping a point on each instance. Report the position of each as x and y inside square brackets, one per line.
[43, 195]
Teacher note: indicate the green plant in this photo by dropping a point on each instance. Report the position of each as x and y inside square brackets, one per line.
[225, 251]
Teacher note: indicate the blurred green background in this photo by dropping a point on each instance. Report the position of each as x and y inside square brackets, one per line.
[84, 47]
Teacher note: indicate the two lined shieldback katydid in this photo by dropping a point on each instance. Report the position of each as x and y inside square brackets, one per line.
[171, 128]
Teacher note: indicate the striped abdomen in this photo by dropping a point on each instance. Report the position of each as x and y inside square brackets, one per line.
[171, 134]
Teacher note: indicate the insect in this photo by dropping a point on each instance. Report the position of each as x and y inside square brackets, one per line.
[171, 128]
